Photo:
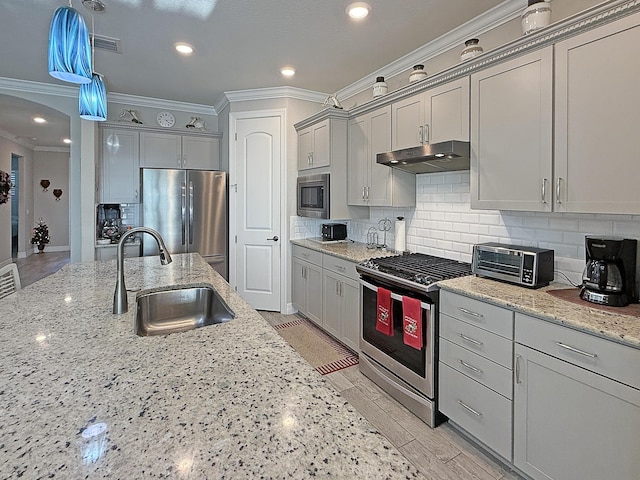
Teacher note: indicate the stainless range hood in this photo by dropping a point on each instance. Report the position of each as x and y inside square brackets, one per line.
[431, 158]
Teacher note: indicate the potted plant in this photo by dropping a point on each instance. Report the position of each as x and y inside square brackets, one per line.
[40, 235]
[5, 187]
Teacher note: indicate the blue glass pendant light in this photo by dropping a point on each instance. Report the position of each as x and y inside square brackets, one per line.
[69, 49]
[92, 102]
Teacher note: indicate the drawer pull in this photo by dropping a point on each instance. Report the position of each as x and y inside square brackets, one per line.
[518, 357]
[576, 350]
[338, 267]
[468, 408]
[470, 340]
[471, 367]
[469, 312]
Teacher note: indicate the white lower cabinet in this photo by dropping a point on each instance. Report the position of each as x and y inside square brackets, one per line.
[326, 290]
[104, 254]
[569, 422]
[307, 283]
[342, 308]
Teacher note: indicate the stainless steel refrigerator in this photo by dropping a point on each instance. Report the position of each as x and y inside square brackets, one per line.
[189, 209]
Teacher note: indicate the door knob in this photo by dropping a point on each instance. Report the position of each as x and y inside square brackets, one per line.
[275, 238]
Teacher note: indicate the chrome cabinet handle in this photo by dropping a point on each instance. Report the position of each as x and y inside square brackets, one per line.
[420, 134]
[340, 267]
[469, 312]
[468, 408]
[470, 340]
[544, 190]
[184, 160]
[471, 367]
[558, 200]
[367, 193]
[363, 193]
[179, 160]
[517, 366]
[576, 350]
[426, 133]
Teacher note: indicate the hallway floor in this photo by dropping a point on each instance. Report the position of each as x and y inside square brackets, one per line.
[40, 265]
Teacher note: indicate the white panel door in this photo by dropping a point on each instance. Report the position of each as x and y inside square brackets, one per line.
[258, 152]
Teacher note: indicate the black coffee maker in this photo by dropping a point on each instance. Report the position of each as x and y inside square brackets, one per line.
[609, 276]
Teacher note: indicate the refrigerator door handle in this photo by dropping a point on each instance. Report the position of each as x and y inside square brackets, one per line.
[183, 208]
[190, 212]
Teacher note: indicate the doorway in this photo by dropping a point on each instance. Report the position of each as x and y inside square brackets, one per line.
[15, 206]
[256, 170]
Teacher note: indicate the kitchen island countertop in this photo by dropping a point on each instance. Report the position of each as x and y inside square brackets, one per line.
[225, 401]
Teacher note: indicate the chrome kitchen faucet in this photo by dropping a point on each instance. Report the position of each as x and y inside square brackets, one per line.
[120, 295]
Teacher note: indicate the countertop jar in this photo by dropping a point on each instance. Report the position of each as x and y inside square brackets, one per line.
[537, 15]
[380, 87]
[471, 49]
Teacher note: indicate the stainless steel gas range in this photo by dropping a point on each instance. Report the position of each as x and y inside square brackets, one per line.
[408, 374]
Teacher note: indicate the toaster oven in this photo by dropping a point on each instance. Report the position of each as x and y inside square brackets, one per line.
[527, 266]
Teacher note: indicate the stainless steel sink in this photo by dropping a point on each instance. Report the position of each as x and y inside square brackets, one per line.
[179, 310]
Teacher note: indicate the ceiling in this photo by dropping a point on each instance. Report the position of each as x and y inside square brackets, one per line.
[239, 44]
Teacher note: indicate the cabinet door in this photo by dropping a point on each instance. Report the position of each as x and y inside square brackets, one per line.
[321, 156]
[314, 293]
[447, 112]
[305, 148]
[511, 125]
[358, 160]
[160, 150]
[407, 120]
[597, 114]
[332, 304]
[120, 176]
[350, 292]
[299, 286]
[380, 193]
[200, 153]
[572, 424]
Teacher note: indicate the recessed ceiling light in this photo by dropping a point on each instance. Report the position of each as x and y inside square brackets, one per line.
[39, 120]
[358, 10]
[288, 71]
[66, 140]
[183, 48]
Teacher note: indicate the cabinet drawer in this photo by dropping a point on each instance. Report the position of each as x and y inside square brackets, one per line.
[486, 344]
[340, 266]
[495, 319]
[306, 254]
[488, 373]
[480, 411]
[611, 359]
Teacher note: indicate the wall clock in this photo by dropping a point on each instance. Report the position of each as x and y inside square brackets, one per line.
[166, 119]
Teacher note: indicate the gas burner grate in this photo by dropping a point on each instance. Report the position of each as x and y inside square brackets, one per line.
[424, 268]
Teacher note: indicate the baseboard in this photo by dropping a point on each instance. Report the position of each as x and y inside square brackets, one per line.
[61, 248]
[289, 309]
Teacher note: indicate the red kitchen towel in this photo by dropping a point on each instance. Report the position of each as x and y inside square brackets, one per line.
[384, 320]
[412, 322]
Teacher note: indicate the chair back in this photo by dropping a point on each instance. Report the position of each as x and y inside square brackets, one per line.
[9, 280]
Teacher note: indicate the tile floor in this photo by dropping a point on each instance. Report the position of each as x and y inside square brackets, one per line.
[440, 454]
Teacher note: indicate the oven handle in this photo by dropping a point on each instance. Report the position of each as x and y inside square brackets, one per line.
[395, 296]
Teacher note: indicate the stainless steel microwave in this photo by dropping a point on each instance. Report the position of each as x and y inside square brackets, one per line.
[526, 266]
[313, 196]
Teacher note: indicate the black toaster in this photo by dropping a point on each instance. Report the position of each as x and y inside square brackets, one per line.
[334, 231]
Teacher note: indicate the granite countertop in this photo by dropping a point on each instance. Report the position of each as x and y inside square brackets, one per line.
[232, 400]
[621, 328]
[353, 251]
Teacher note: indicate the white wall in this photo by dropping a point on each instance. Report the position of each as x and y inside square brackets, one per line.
[53, 166]
[443, 224]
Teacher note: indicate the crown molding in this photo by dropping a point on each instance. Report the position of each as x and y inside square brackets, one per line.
[138, 101]
[12, 138]
[267, 94]
[505, 12]
[28, 86]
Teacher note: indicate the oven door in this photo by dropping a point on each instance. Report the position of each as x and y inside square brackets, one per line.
[415, 367]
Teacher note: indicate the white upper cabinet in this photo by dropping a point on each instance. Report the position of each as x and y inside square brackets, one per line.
[314, 146]
[597, 113]
[511, 134]
[439, 114]
[167, 150]
[120, 174]
[369, 183]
